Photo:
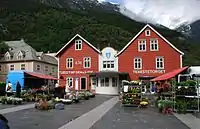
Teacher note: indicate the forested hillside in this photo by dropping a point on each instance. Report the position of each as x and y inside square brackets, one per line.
[48, 28]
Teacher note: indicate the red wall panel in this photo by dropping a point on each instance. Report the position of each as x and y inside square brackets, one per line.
[171, 57]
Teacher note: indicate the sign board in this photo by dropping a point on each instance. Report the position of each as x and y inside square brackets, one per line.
[75, 72]
[149, 71]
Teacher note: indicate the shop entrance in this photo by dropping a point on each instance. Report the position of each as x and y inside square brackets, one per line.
[147, 86]
[83, 83]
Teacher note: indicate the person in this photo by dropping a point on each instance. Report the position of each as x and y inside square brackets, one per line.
[56, 85]
[9, 88]
[18, 90]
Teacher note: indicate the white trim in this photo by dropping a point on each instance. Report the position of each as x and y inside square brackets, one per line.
[77, 42]
[90, 60]
[156, 33]
[7, 54]
[149, 33]
[19, 53]
[85, 83]
[10, 67]
[21, 66]
[58, 72]
[77, 35]
[154, 43]
[140, 63]
[67, 62]
[67, 81]
[163, 62]
[181, 61]
[139, 43]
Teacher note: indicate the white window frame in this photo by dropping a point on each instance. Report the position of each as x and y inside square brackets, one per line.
[12, 68]
[20, 55]
[87, 62]
[7, 56]
[137, 60]
[148, 32]
[24, 66]
[38, 67]
[78, 44]
[154, 42]
[158, 60]
[142, 43]
[109, 63]
[69, 80]
[68, 61]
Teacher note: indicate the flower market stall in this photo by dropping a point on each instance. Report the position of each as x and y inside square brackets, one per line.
[131, 94]
[186, 93]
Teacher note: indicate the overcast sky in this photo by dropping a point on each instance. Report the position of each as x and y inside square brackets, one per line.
[170, 13]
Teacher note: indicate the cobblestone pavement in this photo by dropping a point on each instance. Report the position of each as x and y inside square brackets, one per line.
[134, 118]
[53, 119]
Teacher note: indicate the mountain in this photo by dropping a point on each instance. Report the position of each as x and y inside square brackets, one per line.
[47, 25]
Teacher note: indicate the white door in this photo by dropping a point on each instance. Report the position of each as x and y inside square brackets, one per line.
[76, 83]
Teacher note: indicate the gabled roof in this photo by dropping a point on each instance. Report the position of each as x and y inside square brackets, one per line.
[77, 35]
[157, 34]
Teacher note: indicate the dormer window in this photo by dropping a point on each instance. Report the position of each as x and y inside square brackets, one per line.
[20, 55]
[147, 33]
[78, 44]
[7, 56]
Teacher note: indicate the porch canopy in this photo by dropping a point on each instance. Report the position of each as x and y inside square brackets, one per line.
[108, 73]
[170, 74]
[42, 76]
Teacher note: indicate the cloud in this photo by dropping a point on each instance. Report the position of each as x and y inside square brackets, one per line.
[170, 13]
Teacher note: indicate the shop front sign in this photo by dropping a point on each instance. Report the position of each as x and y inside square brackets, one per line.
[148, 71]
[75, 72]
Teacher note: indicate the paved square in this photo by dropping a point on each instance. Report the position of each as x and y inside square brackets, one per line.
[134, 118]
[53, 119]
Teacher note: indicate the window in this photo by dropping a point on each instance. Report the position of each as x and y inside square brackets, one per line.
[20, 56]
[138, 63]
[38, 67]
[53, 69]
[114, 81]
[104, 82]
[142, 45]
[0, 67]
[154, 45]
[108, 64]
[69, 63]
[46, 68]
[69, 82]
[7, 56]
[78, 44]
[87, 62]
[23, 67]
[159, 63]
[12, 67]
[147, 33]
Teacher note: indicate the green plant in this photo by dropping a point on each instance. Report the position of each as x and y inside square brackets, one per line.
[181, 106]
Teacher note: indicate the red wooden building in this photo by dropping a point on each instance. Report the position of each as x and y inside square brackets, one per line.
[75, 60]
[149, 55]
[146, 56]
